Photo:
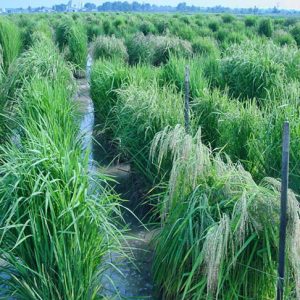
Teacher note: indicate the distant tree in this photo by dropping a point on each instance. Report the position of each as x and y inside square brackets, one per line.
[275, 10]
[181, 6]
[90, 6]
[59, 7]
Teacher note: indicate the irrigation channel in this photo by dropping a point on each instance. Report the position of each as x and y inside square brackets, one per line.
[131, 279]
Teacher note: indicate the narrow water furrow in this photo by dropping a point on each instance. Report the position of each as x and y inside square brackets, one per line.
[131, 279]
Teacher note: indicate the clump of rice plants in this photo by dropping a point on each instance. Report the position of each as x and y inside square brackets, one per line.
[214, 26]
[156, 49]
[133, 106]
[265, 146]
[236, 127]
[174, 72]
[259, 76]
[72, 40]
[42, 58]
[219, 234]
[10, 42]
[55, 231]
[227, 18]
[147, 28]
[106, 78]
[143, 109]
[106, 47]
[28, 33]
[265, 27]
[77, 47]
[250, 22]
[296, 33]
[283, 38]
[205, 46]
[228, 124]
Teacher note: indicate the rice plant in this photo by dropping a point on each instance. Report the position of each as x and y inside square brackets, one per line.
[29, 31]
[205, 46]
[283, 38]
[174, 72]
[72, 39]
[156, 49]
[219, 233]
[56, 228]
[265, 27]
[260, 76]
[106, 78]
[42, 58]
[296, 33]
[109, 47]
[141, 111]
[10, 41]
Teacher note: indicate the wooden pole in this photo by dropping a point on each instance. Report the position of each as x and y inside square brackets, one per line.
[187, 100]
[283, 209]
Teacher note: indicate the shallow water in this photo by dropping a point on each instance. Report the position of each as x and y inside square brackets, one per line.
[133, 278]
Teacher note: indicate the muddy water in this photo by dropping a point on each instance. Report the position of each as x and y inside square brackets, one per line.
[132, 279]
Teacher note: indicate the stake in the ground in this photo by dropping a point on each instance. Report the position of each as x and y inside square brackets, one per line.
[187, 99]
[283, 209]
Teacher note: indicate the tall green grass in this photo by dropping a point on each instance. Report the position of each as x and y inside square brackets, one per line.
[72, 40]
[33, 27]
[259, 76]
[219, 233]
[156, 50]
[109, 47]
[39, 59]
[10, 41]
[174, 72]
[141, 111]
[56, 227]
[133, 106]
[106, 78]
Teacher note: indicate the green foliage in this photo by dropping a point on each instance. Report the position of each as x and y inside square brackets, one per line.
[93, 30]
[109, 47]
[265, 27]
[250, 22]
[106, 78]
[174, 72]
[147, 28]
[156, 49]
[205, 46]
[228, 18]
[161, 26]
[283, 38]
[296, 33]
[29, 32]
[143, 109]
[10, 42]
[77, 47]
[107, 27]
[219, 237]
[213, 26]
[259, 76]
[55, 230]
[72, 39]
[43, 59]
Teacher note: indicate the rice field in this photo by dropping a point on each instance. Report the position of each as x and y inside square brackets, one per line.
[105, 194]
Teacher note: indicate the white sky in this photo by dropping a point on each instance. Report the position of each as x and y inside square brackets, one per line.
[291, 4]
